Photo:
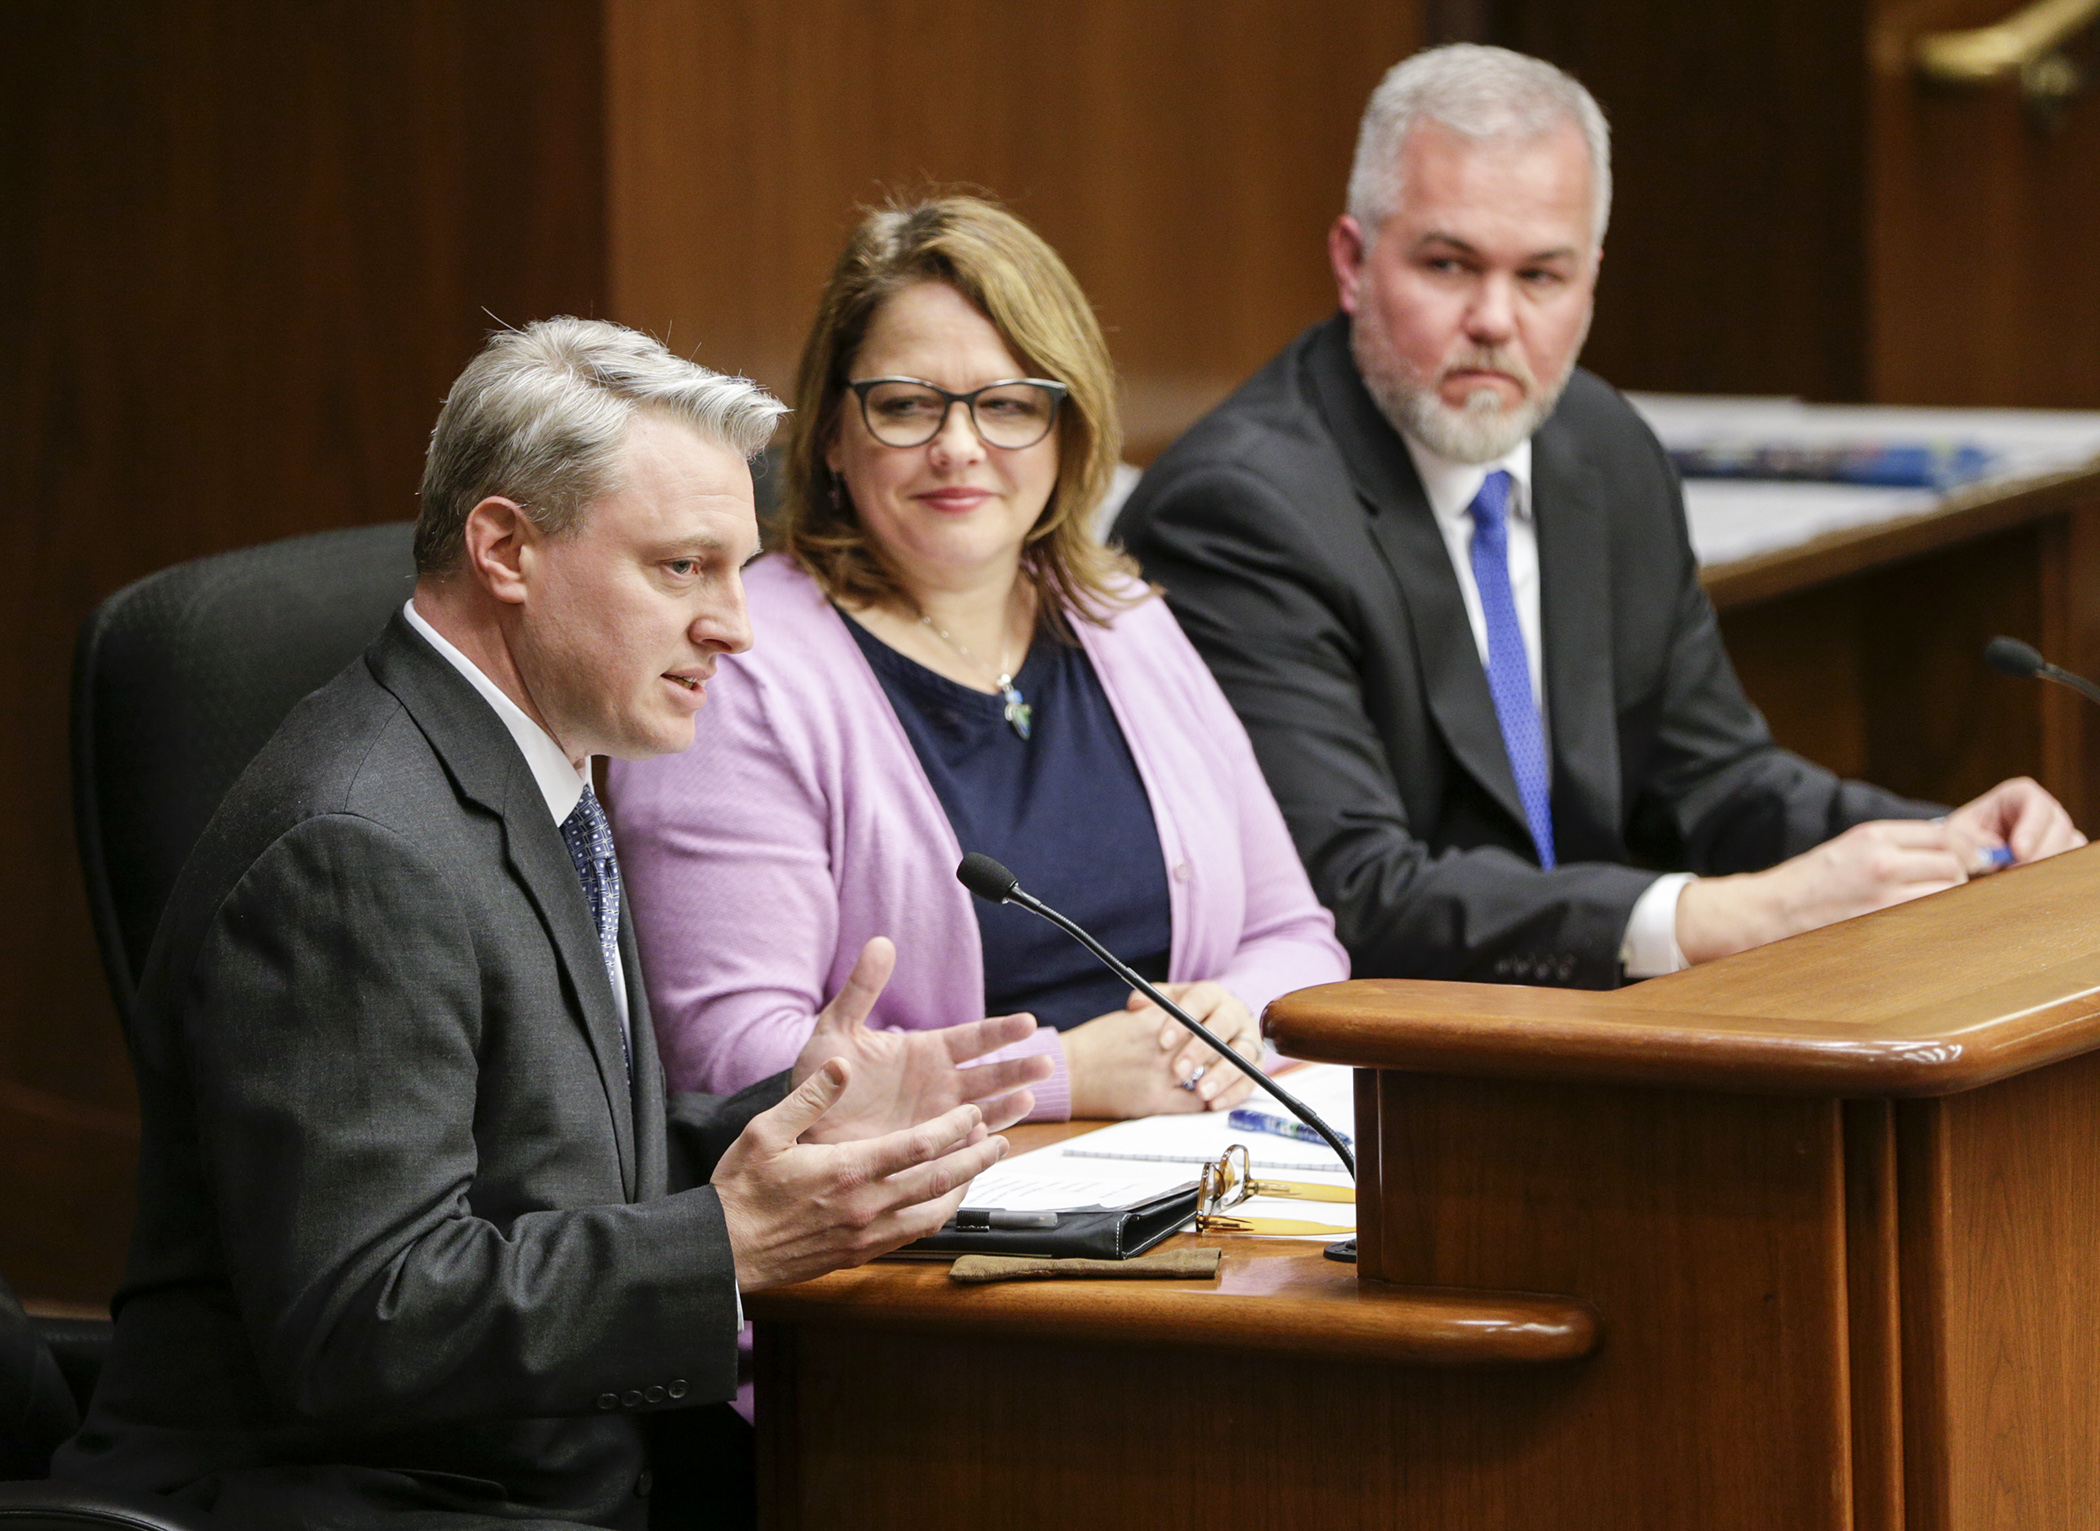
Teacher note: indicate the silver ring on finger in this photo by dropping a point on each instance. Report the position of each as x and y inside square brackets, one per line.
[1196, 1078]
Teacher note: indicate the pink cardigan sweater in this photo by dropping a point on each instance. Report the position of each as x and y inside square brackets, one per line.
[800, 824]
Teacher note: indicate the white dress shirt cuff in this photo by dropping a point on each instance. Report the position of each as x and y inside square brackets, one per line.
[1650, 948]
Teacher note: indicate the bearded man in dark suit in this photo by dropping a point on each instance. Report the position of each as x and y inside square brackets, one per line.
[1445, 579]
[416, 1242]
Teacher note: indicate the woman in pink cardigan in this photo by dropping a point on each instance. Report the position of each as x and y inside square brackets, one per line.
[946, 661]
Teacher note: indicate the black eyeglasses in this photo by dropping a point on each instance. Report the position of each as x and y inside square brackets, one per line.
[909, 411]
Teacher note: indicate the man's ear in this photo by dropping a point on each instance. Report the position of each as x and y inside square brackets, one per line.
[1345, 253]
[501, 540]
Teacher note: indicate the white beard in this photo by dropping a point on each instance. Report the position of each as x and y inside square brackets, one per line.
[1483, 429]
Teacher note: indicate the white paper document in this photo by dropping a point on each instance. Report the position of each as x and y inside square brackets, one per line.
[1733, 519]
[1199, 1137]
[1134, 1161]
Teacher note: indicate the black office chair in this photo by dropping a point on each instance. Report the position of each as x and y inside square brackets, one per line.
[178, 680]
[37, 1407]
[41, 1396]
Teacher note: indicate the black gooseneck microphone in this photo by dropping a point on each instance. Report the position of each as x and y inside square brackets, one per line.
[994, 884]
[2016, 658]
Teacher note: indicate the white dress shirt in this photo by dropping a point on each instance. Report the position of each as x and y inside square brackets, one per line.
[560, 783]
[1650, 944]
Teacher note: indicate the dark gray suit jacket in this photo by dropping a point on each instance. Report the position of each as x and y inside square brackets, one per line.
[408, 1239]
[1298, 549]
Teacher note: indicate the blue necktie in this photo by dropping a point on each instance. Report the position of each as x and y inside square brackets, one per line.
[590, 842]
[1508, 670]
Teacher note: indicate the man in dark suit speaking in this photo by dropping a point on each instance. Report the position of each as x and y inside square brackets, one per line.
[1445, 579]
[414, 1239]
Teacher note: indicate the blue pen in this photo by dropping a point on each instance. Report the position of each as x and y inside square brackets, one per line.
[1999, 856]
[1247, 1120]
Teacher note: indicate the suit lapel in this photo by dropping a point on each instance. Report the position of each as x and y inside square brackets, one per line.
[1405, 531]
[652, 1171]
[541, 862]
[487, 769]
[1569, 510]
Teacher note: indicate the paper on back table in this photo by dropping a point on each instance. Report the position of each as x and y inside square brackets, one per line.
[1734, 519]
[1136, 1160]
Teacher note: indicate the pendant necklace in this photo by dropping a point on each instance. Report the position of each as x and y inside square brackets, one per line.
[1018, 711]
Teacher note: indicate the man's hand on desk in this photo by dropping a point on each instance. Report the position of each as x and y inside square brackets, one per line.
[2018, 814]
[796, 1210]
[901, 1078]
[1869, 867]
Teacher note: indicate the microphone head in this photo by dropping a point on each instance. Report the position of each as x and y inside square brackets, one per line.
[986, 878]
[2013, 657]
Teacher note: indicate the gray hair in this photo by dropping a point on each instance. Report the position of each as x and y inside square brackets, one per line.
[539, 417]
[1480, 93]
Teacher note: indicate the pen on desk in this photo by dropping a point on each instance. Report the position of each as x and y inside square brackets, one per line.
[981, 1219]
[1246, 1119]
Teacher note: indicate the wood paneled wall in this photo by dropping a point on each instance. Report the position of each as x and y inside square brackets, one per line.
[1797, 213]
[1185, 157]
[1983, 232]
[247, 246]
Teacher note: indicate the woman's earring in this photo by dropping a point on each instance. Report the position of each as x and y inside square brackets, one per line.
[837, 500]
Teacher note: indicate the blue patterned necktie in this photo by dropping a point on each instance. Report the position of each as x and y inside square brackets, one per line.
[590, 842]
[1508, 669]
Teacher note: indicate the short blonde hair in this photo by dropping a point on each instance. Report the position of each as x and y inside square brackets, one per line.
[1004, 268]
[539, 417]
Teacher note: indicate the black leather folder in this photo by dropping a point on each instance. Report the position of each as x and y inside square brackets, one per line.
[1093, 1233]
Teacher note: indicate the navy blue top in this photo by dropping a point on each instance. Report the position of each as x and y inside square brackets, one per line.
[1065, 811]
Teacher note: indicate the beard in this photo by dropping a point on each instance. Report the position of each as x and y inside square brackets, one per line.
[1483, 428]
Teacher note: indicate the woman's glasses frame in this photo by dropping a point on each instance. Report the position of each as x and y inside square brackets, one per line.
[1058, 392]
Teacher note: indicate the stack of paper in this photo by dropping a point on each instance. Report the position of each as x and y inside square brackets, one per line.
[1136, 1160]
[1733, 519]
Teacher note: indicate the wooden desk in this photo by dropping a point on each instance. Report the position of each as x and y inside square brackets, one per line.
[1824, 1218]
[1864, 648]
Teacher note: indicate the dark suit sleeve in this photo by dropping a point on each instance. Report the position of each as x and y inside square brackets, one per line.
[703, 1126]
[1282, 629]
[338, 1023]
[1715, 795]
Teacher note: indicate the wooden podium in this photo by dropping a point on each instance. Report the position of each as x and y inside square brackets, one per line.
[1809, 1238]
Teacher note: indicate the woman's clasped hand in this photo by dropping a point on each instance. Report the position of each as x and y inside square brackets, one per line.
[1140, 1061]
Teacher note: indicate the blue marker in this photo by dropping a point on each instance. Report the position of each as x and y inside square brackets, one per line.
[1999, 857]
[1246, 1119]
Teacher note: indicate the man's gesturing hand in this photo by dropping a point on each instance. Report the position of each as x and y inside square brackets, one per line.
[903, 1077]
[796, 1210]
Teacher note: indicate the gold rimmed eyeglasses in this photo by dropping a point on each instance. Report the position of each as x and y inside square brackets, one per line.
[1230, 1180]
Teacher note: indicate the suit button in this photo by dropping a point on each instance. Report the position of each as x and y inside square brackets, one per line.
[632, 1398]
[1567, 967]
[644, 1483]
[677, 1389]
[608, 1401]
[653, 1395]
